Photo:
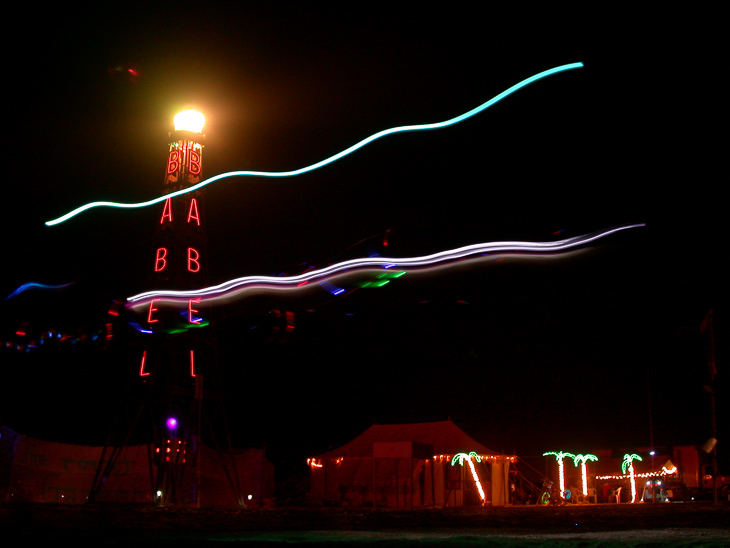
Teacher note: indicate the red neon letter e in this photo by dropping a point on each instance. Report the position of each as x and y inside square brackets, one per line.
[191, 319]
[152, 309]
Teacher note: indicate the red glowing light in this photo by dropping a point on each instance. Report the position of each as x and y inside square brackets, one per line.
[193, 213]
[167, 211]
[160, 261]
[194, 162]
[192, 363]
[150, 319]
[191, 318]
[142, 372]
[173, 162]
[193, 260]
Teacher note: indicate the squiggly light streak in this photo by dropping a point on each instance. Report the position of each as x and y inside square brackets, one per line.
[329, 160]
[285, 282]
[35, 285]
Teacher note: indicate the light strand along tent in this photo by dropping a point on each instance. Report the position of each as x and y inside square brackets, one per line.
[35, 470]
[408, 466]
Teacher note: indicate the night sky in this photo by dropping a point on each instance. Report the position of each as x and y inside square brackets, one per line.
[599, 349]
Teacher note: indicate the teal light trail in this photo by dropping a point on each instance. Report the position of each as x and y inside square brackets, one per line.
[329, 160]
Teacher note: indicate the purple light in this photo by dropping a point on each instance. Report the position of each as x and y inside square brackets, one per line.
[171, 423]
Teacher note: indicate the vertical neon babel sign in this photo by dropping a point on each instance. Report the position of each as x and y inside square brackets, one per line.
[178, 258]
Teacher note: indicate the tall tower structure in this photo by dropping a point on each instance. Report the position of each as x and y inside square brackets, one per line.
[176, 351]
[171, 363]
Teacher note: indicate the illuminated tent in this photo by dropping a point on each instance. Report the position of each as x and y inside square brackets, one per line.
[34, 470]
[407, 466]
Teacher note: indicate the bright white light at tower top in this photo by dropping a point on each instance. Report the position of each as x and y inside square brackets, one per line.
[189, 120]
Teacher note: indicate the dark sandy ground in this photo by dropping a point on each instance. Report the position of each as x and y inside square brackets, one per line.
[675, 524]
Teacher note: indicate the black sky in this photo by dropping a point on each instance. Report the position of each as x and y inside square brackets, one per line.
[527, 356]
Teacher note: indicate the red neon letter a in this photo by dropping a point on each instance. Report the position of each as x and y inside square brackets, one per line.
[193, 260]
[167, 211]
[193, 212]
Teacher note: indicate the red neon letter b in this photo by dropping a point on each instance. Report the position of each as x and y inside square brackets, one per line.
[193, 260]
[173, 161]
[160, 261]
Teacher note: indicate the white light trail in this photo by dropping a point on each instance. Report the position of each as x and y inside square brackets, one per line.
[293, 282]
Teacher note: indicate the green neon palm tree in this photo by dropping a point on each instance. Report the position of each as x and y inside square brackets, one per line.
[460, 458]
[628, 463]
[559, 456]
[582, 459]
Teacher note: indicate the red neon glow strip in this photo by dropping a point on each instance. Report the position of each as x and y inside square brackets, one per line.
[192, 363]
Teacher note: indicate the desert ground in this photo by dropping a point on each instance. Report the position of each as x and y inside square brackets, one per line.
[673, 524]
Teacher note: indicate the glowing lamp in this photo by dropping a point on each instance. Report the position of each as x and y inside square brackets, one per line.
[189, 120]
[171, 423]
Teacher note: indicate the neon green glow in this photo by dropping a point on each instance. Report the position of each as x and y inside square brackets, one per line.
[383, 279]
[581, 459]
[329, 160]
[628, 458]
[459, 458]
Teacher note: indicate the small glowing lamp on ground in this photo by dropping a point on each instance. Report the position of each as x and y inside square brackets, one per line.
[189, 120]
